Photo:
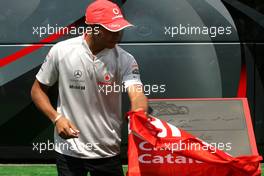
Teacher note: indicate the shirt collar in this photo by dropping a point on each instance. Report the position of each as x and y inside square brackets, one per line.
[86, 47]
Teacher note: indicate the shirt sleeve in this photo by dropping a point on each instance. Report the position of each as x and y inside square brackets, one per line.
[48, 73]
[131, 75]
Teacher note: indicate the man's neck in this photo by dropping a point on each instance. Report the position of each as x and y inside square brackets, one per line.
[95, 49]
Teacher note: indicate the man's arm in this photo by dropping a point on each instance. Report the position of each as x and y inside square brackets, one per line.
[137, 98]
[63, 126]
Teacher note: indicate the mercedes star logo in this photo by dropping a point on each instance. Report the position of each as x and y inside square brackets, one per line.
[77, 73]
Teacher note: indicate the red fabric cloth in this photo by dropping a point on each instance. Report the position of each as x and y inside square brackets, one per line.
[154, 150]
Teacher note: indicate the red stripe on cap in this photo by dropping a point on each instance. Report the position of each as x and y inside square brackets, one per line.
[242, 88]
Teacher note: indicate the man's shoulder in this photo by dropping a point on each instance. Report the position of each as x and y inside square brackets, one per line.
[124, 54]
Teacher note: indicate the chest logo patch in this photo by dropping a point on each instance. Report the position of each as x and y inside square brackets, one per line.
[107, 77]
[77, 74]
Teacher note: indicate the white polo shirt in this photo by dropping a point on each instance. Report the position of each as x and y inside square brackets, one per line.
[89, 95]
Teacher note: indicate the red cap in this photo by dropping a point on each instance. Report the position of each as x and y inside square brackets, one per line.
[107, 14]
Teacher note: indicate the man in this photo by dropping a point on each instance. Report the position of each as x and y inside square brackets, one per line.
[88, 116]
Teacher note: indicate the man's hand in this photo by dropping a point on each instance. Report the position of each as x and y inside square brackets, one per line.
[66, 129]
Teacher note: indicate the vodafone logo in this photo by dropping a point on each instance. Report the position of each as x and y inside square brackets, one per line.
[107, 77]
[116, 11]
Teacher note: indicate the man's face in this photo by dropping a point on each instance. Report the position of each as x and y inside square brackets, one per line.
[108, 39]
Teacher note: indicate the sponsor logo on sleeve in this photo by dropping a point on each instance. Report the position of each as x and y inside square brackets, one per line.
[135, 71]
